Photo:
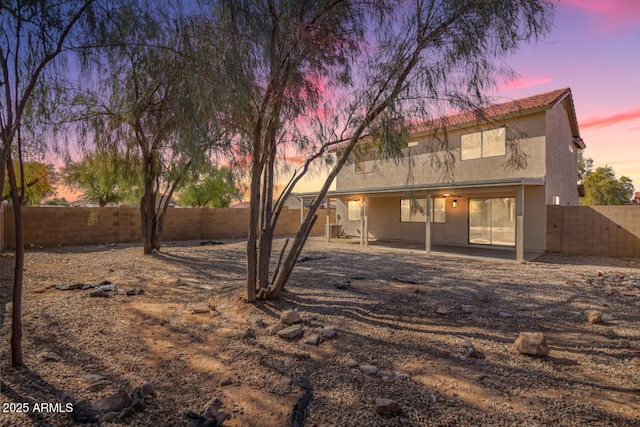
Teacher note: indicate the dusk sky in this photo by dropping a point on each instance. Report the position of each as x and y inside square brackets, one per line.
[594, 48]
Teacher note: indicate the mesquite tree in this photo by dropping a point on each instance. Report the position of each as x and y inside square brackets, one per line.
[33, 36]
[315, 75]
[152, 102]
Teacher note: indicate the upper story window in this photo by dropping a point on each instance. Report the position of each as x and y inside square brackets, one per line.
[486, 143]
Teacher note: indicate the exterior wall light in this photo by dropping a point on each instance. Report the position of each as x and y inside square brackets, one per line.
[455, 203]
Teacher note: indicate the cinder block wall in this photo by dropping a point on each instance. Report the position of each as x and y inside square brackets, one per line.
[594, 230]
[50, 226]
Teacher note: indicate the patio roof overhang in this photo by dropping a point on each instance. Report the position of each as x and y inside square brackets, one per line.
[424, 188]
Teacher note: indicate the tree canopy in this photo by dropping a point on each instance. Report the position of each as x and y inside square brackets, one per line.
[104, 177]
[39, 179]
[603, 188]
[211, 186]
[313, 75]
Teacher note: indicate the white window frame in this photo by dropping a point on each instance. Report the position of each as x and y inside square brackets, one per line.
[353, 210]
[482, 135]
[413, 216]
[442, 210]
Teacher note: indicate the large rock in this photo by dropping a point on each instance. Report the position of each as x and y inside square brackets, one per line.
[593, 316]
[369, 369]
[275, 328]
[327, 332]
[387, 407]
[291, 332]
[532, 343]
[289, 317]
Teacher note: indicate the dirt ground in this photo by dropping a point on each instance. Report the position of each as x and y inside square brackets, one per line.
[414, 317]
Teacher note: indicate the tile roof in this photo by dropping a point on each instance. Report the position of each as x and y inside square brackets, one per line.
[547, 99]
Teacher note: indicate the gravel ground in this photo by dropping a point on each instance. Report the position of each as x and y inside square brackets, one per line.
[439, 330]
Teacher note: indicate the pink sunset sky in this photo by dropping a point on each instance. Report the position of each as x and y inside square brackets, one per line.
[594, 48]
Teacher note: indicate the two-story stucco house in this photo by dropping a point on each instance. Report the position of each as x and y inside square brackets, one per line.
[487, 202]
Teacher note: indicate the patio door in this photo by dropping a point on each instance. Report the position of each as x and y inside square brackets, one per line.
[492, 221]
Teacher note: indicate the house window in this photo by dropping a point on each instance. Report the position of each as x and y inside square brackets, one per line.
[353, 210]
[438, 210]
[488, 143]
[412, 210]
[363, 166]
[413, 143]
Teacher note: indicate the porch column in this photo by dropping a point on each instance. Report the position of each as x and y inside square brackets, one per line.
[427, 207]
[301, 210]
[328, 223]
[362, 222]
[365, 210]
[520, 223]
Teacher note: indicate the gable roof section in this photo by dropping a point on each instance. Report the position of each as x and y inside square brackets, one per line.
[517, 107]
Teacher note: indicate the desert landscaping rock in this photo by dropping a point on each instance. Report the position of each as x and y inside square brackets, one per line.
[49, 356]
[199, 310]
[328, 332]
[313, 339]
[291, 332]
[369, 369]
[289, 317]
[257, 322]
[593, 316]
[352, 363]
[588, 382]
[532, 343]
[623, 343]
[226, 381]
[387, 407]
[275, 328]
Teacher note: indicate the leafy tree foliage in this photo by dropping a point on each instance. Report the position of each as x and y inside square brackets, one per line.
[310, 76]
[33, 37]
[585, 166]
[212, 186]
[57, 201]
[153, 101]
[103, 177]
[603, 188]
[38, 182]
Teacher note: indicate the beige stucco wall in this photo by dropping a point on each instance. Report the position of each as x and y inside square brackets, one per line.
[417, 161]
[561, 158]
[384, 218]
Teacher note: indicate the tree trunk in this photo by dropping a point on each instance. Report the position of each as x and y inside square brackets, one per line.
[18, 273]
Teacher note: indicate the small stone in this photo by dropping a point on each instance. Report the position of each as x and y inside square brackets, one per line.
[635, 361]
[328, 332]
[288, 363]
[225, 381]
[472, 353]
[289, 317]
[135, 291]
[39, 290]
[313, 339]
[532, 343]
[369, 369]
[49, 356]
[402, 375]
[623, 343]
[199, 310]
[352, 363]
[94, 377]
[593, 316]
[214, 313]
[275, 328]
[387, 407]
[505, 314]
[443, 310]
[291, 332]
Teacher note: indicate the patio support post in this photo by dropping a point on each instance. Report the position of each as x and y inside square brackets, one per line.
[427, 227]
[365, 210]
[520, 223]
[362, 222]
[328, 224]
[301, 210]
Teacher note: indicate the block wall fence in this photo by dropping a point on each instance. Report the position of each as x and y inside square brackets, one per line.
[594, 230]
[582, 230]
[50, 226]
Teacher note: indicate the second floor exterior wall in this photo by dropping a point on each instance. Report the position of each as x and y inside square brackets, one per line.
[417, 167]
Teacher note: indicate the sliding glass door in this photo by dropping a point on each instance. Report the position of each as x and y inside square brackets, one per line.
[492, 221]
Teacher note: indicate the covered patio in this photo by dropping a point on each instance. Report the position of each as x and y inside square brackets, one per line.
[480, 219]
